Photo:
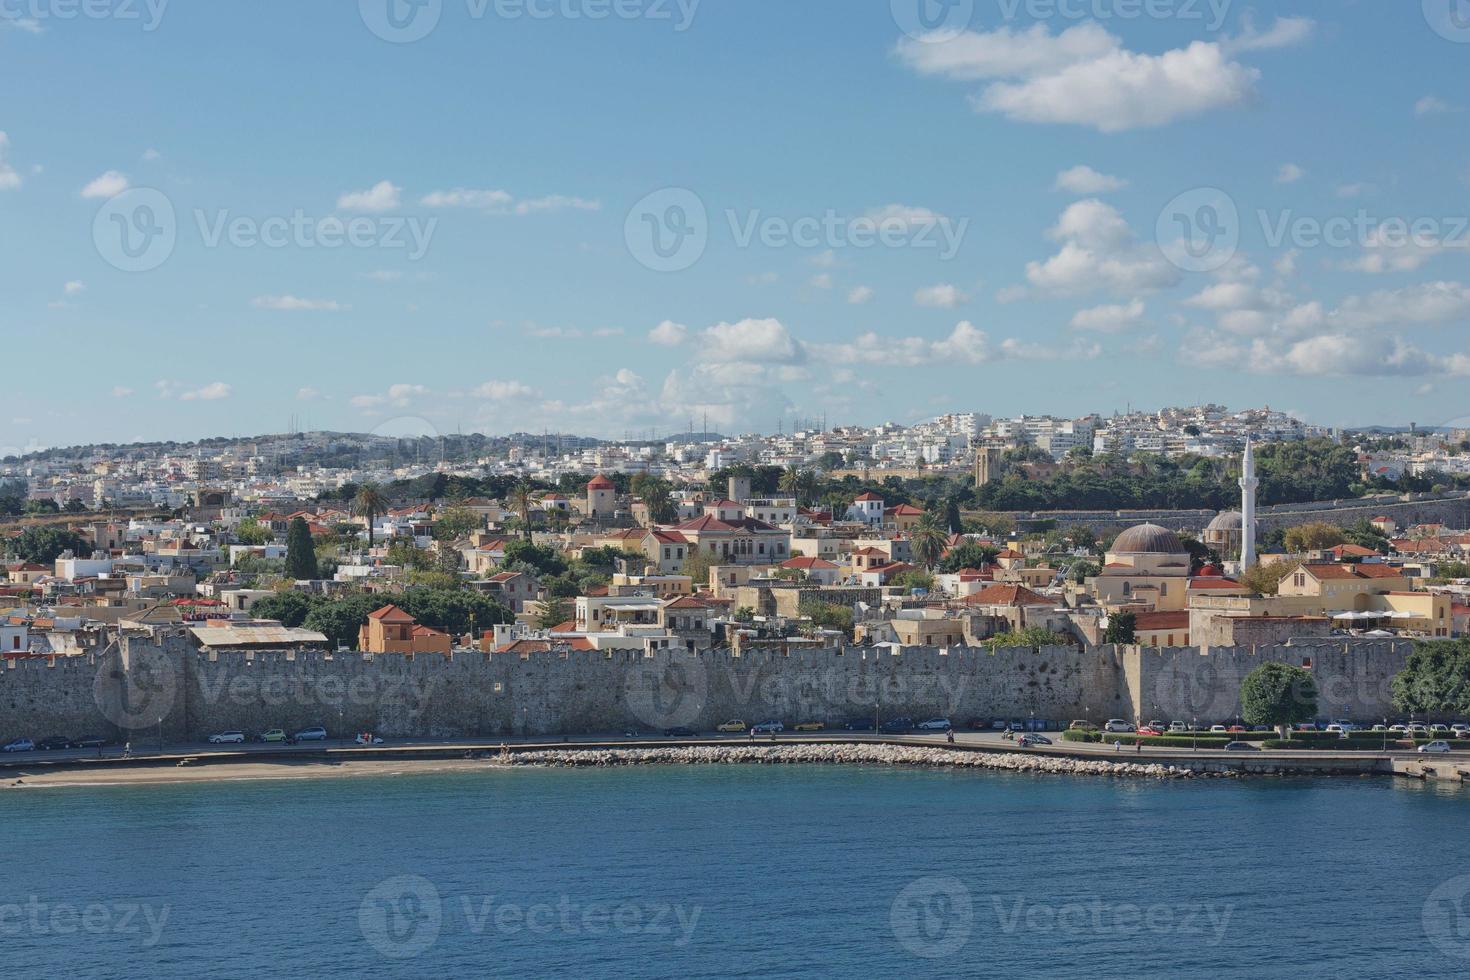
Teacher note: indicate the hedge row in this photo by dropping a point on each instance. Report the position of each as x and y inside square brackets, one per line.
[1170, 741]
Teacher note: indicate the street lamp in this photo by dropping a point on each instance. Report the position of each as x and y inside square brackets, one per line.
[160, 735]
[1194, 735]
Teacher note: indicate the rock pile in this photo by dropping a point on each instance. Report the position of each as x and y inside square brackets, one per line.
[827, 754]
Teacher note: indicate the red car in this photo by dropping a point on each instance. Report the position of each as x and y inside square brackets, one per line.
[1147, 730]
[1237, 728]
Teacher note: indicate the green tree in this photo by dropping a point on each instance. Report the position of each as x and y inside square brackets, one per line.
[370, 503]
[968, 555]
[1079, 572]
[952, 517]
[828, 615]
[1313, 537]
[300, 551]
[1266, 579]
[454, 523]
[523, 503]
[656, 495]
[927, 537]
[554, 611]
[1279, 695]
[289, 608]
[1122, 629]
[252, 532]
[1435, 680]
[1031, 636]
[43, 545]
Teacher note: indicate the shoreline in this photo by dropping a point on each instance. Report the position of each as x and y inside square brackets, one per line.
[787, 754]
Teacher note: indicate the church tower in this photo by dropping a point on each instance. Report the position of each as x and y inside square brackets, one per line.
[1248, 485]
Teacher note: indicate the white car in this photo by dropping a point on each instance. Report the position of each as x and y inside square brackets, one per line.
[227, 738]
[1117, 726]
[1439, 729]
[935, 725]
[1435, 747]
[1177, 726]
[1219, 729]
[20, 745]
[1418, 729]
[1460, 729]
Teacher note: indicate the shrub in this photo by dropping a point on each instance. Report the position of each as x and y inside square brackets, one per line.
[1077, 735]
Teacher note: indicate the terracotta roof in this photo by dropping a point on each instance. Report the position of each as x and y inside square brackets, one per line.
[544, 646]
[808, 563]
[1352, 551]
[1338, 572]
[600, 482]
[905, 510]
[870, 495]
[1214, 582]
[1152, 621]
[391, 614]
[1006, 595]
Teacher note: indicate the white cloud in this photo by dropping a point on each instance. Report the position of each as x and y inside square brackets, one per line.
[109, 184]
[382, 196]
[966, 344]
[903, 217]
[503, 202]
[751, 342]
[1401, 249]
[822, 280]
[308, 394]
[74, 287]
[151, 155]
[1289, 173]
[860, 295]
[668, 334]
[1100, 252]
[1085, 76]
[397, 396]
[824, 260]
[942, 296]
[498, 391]
[1082, 179]
[1348, 191]
[1109, 319]
[209, 393]
[26, 25]
[122, 392]
[9, 179]
[295, 304]
[1431, 105]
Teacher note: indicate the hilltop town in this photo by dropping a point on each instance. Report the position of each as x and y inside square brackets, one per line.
[816, 538]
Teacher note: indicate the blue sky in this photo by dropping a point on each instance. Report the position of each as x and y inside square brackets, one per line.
[1029, 167]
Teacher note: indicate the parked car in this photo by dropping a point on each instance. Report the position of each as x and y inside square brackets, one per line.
[935, 725]
[978, 724]
[1439, 729]
[1237, 730]
[680, 731]
[227, 738]
[1460, 729]
[1418, 729]
[54, 743]
[811, 726]
[999, 725]
[1032, 738]
[733, 725]
[1401, 729]
[274, 735]
[314, 734]
[1218, 729]
[1082, 726]
[1436, 747]
[860, 725]
[20, 745]
[1150, 730]
[1242, 747]
[91, 742]
[368, 738]
[898, 725]
[769, 728]
[1117, 726]
[1177, 726]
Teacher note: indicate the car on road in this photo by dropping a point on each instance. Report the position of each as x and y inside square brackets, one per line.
[54, 743]
[1117, 726]
[19, 745]
[860, 725]
[769, 728]
[1081, 725]
[935, 725]
[274, 735]
[227, 738]
[314, 734]
[1150, 730]
[1032, 738]
[91, 742]
[811, 726]
[1177, 726]
[1241, 747]
[1436, 747]
[679, 731]
[733, 725]
[898, 725]
[367, 738]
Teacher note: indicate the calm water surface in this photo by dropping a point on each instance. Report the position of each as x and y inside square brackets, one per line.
[733, 872]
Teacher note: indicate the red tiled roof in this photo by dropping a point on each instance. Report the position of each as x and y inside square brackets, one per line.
[391, 614]
[1006, 595]
[1152, 621]
[870, 495]
[600, 482]
[807, 563]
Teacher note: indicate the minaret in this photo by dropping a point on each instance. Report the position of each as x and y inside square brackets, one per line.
[1248, 485]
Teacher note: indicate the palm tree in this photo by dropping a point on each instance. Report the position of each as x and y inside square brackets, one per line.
[927, 537]
[369, 502]
[798, 482]
[521, 502]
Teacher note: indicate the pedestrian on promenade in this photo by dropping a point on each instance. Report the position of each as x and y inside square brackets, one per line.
[752, 734]
[949, 735]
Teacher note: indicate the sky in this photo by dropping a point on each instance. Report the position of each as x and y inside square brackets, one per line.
[613, 217]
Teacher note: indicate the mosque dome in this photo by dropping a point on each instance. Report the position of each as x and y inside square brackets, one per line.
[1148, 539]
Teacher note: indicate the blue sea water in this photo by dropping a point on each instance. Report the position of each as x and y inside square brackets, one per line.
[735, 872]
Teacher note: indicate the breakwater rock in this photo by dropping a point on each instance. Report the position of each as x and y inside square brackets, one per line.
[868, 755]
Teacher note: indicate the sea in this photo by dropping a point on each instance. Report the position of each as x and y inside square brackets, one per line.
[737, 871]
